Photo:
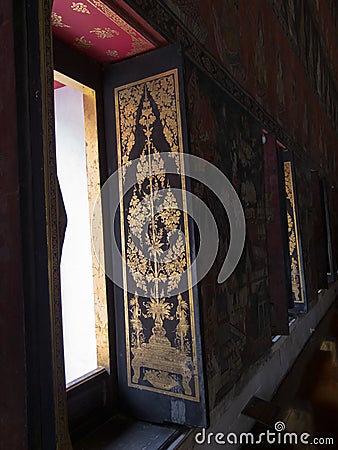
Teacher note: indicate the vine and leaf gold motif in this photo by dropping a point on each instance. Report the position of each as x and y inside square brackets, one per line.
[80, 7]
[138, 43]
[81, 42]
[57, 21]
[113, 53]
[104, 33]
[294, 250]
[160, 340]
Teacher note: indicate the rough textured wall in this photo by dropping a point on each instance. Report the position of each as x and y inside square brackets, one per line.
[236, 313]
[283, 54]
[277, 60]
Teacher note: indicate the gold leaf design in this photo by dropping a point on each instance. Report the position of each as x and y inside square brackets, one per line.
[56, 21]
[294, 249]
[138, 264]
[153, 246]
[182, 327]
[105, 33]
[115, 18]
[295, 280]
[138, 45]
[292, 236]
[135, 322]
[158, 309]
[81, 42]
[163, 92]
[80, 7]
[160, 379]
[113, 53]
[288, 183]
[172, 265]
[129, 101]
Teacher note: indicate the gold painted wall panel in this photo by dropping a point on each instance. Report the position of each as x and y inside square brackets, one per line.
[297, 275]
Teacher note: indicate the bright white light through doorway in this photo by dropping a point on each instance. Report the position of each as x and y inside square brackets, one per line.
[83, 290]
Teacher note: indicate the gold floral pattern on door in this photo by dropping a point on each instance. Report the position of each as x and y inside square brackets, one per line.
[293, 236]
[160, 328]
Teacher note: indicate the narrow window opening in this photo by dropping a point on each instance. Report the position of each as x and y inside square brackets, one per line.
[83, 288]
